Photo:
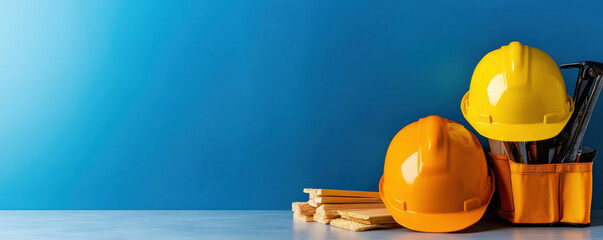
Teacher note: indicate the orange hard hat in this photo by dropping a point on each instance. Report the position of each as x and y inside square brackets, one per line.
[435, 177]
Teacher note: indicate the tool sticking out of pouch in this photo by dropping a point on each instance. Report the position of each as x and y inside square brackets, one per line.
[588, 89]
[523, 152]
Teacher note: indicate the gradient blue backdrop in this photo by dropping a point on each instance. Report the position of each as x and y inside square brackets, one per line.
[241, 104]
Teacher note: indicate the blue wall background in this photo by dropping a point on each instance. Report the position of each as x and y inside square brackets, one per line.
[241, 104]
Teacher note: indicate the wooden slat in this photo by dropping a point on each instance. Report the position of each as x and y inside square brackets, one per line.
[311, 196]
[303, 208]
[319, 218]
[333, 208]
[337, 206]
[368, 216]
[356, 226]
[346, 200]
[314, 204]
[328, 215]
[344, 193]
[308, 190]
[303, 218]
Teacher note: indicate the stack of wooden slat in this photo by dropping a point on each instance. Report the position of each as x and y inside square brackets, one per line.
[351, 210]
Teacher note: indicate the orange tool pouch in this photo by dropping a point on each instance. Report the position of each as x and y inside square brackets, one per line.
[543, 193]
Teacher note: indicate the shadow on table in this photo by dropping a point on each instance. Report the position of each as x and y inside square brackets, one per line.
[596, 219]
[492, 227]
[488, 223]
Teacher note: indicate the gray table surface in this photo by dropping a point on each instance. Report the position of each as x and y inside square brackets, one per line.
[254, 224]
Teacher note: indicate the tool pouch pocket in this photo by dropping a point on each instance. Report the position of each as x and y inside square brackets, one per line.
[543, 193]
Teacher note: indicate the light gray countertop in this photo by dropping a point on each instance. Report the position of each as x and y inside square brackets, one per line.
[254, 224]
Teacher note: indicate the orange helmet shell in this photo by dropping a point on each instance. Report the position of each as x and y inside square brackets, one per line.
[435, 177]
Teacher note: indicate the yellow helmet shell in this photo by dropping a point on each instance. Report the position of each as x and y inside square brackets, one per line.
[517, 93]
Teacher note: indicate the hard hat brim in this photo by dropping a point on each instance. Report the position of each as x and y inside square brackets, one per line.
[439, 222]
[514, 132]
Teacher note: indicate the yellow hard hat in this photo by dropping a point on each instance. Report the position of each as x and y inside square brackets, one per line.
[435, 177]
[517, 93]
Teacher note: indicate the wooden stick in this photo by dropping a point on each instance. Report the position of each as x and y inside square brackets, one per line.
[323, 221]
[308, 190]
[329, 215]
[336, 206]
[346, 200]
[319, 218]
[303, 208]
[344, 193]
[303, 218]
[368, 216]
[313, 203]
[356, 226]
[332, 208]
[311, 196]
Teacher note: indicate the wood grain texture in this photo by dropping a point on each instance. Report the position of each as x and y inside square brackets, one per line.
[346, 200]
[332, 209]
[303, 218]
[319, 218]
[368, 216]
[314, 204]
[344, 193]
[303, 208]
[337, 206]
[356, 226]
[328, 215]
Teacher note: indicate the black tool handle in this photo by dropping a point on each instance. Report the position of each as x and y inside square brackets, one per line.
[588, 88]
